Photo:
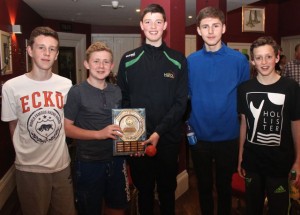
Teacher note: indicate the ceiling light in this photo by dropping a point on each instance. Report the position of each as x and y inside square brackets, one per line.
[138, 10]
[190, 17]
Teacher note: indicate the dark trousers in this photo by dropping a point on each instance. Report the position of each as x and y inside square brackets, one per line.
[275, 188]
[160, 171]
[101, 180]
[223, 157]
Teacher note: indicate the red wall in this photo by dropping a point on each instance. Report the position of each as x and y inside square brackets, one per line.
[17, 12]
[288, 18]
[234, 24]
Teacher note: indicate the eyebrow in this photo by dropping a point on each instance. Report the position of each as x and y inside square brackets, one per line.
[154, 20]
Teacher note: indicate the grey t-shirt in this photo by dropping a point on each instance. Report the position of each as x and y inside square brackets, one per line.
[91, 108]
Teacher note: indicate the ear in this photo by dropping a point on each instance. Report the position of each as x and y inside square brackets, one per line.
[223, 29]
[56, 55]
[29, 51]
[165, 25]
[112, 66]
[199, 31]
[252, 62]
[86, 64]
[277, 58]
[141, 25]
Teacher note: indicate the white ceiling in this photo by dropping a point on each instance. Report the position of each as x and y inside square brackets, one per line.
[91, 12]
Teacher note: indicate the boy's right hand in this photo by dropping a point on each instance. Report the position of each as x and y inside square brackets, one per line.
[241, 171]
[110, 131]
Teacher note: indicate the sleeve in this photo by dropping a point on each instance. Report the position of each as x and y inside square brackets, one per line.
[8, 110]
[176, 112]
[72, 105]
[122, 83]
[69, 85]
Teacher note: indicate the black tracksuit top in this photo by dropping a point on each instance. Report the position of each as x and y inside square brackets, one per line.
[155, 78]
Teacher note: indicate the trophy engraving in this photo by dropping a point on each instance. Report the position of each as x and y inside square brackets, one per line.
[133, 126]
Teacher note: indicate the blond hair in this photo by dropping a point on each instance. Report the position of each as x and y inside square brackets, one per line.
[98, 46]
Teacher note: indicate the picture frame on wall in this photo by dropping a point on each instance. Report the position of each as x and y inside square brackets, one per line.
[253, 19]
[5, 53]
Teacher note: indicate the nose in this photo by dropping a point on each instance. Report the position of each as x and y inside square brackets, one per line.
[46, 52]
[210, 30]
[153, 25]
[264, 60]
[102, 64]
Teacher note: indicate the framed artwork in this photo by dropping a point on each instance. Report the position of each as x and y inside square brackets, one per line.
[253, 19]
[5, 53]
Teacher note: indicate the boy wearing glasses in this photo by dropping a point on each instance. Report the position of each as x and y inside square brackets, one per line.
[270, 132]
[88, 119]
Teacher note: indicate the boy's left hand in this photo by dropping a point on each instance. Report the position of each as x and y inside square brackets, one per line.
[296, 168]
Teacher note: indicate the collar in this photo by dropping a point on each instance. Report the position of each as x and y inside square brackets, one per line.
[222, 50]
[152, 49]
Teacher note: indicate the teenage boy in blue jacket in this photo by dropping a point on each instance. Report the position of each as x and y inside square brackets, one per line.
[215, 71]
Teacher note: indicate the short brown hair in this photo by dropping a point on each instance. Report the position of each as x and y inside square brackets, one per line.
[98, 46]
[42, 30]
[261, 41]
[153, 8]
[210, 12]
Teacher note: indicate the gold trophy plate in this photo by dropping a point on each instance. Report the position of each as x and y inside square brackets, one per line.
[133, 126]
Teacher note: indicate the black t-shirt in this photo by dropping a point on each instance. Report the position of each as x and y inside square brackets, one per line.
[269, 110]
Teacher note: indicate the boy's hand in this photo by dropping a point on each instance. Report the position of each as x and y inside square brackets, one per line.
[110, 131]
[153, 140]
[296, 180]
[241, 171]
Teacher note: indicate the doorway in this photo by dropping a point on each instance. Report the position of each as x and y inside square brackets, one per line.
[78, 42]
[67, 63]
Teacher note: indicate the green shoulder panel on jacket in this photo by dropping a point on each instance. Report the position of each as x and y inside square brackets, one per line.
[133, 61]
[173, 60]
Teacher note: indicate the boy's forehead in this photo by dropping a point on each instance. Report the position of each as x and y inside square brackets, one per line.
[101, 53]
[41, 39]
[264, 48]
[150, 15]
[210, 20]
